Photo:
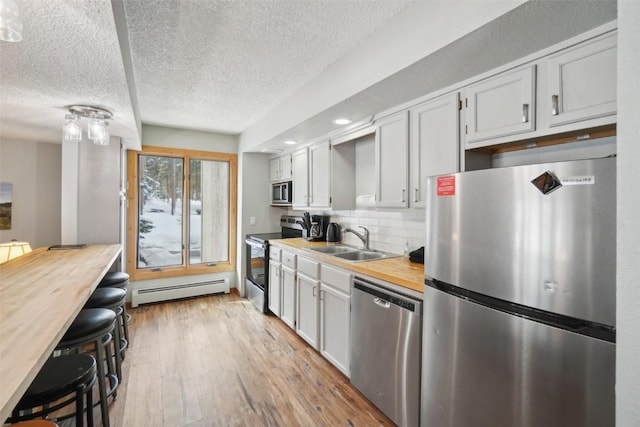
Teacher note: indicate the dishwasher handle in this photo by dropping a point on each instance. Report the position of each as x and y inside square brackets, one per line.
[381, 302]
[385, 298]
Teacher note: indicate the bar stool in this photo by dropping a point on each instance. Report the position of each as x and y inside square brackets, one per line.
[93, 326]
[113, 299]
[69, 378]
[118, 279]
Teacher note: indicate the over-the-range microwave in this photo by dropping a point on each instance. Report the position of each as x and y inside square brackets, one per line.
[281, 193]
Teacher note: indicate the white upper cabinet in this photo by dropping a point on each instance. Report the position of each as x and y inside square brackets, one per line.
[300, 160]
[320, 175]
[500, 106]
[392, 158]
[434, 143]
[280, 168]
[312, 176]
[582, 82]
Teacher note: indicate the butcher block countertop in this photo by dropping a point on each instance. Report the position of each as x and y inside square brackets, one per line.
[397, 270]
[41, 293]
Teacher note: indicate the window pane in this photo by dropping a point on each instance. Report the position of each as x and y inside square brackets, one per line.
[160, 211]
[209, 211]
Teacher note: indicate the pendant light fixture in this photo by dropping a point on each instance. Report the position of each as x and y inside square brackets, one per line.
[97, 127]
[10, 21]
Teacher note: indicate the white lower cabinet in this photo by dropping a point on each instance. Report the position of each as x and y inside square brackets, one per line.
[315, 300]
[275, 284]
[307, 309]
[335, 323]
[288, 309]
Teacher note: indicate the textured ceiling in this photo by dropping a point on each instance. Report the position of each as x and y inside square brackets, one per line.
[220, 65]
[69, 55]
[223, 65]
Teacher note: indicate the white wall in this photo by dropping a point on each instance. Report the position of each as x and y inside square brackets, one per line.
[160, 136]
[254, 192]
[628, 209]
[34, 170]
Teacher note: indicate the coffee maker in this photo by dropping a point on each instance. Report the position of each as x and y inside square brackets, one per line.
[318, 230]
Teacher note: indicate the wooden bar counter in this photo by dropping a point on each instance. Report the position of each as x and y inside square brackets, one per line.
[41, 293]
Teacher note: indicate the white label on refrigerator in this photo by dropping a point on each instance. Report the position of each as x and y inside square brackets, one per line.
[578, 180]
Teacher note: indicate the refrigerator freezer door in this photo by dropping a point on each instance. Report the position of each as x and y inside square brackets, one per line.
[486, 368]
[539, 235]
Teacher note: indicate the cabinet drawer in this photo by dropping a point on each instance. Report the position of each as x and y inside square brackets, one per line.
[274, 253]
[309, 267]
[337, 278]
[288, 259]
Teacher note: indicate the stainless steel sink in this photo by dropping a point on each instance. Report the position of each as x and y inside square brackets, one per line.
[331, 250]
[353, 254]
[361, 255]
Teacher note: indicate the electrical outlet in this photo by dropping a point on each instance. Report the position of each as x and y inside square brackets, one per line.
[252, 220]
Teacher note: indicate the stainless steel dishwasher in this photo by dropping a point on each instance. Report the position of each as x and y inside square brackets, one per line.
[385, 350]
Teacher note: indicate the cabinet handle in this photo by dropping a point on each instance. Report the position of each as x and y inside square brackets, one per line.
[402, 200]
[525, 113]
[321, 293]
[415, 195]
[314, 291]
[554, 105]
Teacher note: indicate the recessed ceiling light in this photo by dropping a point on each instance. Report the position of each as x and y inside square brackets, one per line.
[271, 150]
[291, 142]
[342, 121]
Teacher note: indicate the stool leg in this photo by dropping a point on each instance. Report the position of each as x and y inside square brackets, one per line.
[89, 392]
[125, 326]
[80, 406]
[101, 382]
[117, 347]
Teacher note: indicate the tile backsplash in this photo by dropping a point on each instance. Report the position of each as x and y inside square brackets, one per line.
[389, 231]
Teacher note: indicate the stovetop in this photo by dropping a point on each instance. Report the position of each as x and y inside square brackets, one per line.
[265, 237]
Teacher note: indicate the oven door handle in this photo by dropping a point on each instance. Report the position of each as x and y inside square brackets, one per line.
[252, 242]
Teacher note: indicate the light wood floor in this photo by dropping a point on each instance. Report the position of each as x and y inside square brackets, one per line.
[217, 361]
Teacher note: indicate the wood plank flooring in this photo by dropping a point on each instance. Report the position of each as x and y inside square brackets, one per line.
[217, 361]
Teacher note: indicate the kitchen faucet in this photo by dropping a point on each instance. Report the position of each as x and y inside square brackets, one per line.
[364, 238]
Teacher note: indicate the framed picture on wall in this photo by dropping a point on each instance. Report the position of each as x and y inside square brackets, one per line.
[6, 190]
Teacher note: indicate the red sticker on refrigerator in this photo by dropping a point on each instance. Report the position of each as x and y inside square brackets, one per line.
[446, 185]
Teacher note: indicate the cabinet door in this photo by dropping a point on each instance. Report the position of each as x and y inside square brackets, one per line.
[319, 175]
[434, 143]
[582, 82]
[500, 106]
[286, 167]
[335, 327]
[274, 293]
[392, 157]
[300, 178]
[288, 309]
[274, 169]
[307, 309]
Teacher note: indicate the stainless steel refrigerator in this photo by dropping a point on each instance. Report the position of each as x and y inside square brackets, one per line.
[519, 298]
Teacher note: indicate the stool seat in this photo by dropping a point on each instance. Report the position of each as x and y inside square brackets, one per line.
[114, 278]
[58, 377]
[106, 297]
[35, 423]
[89, 321]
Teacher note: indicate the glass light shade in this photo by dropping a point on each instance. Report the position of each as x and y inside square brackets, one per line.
[103, 136]
[95, 128]
[13, 250]
[71, 131]
[10, 22]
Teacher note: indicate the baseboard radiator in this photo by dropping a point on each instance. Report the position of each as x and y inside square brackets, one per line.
[165, 293]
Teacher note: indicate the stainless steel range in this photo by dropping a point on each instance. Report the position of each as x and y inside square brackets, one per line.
[257, 258]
